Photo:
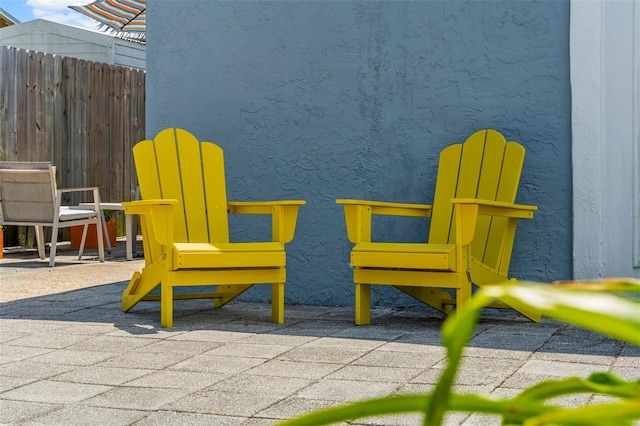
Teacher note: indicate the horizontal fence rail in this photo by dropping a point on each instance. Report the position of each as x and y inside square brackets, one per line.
[82, 116]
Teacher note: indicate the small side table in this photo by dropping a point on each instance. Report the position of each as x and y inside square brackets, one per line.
[128, 225]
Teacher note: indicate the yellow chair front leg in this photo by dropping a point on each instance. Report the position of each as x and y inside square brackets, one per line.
[277, 303]
[166, 304]
[463, 293]
[363, 304]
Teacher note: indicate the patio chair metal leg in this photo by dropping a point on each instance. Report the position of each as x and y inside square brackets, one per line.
[40, 241]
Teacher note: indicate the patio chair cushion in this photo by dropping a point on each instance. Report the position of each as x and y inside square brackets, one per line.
[73, 213]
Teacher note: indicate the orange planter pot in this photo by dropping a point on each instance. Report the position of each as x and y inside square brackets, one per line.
[92, 241]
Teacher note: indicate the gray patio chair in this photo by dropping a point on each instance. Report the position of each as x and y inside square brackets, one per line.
[29, 197]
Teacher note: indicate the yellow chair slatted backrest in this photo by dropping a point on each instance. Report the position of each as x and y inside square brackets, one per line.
[198, 184]
[486, 167]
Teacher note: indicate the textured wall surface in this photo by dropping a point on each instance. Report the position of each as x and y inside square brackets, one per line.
[324, 100]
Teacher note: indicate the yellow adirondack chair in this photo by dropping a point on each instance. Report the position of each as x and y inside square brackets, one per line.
[184, 219]
[473, 224]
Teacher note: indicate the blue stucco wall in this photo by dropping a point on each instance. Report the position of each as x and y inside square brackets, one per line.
[321, 100]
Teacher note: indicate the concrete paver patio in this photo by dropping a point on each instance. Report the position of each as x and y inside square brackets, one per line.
[69, 356]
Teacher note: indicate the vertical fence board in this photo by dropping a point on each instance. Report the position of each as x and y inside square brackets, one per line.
[117, 163]
[65, 173]
[20, 107]
[79, 148]
[49, 105]
[58, 137]
[7, 104]
[30, 82]
[107, 130]
[90, 148]
[82, 116]
[39, 97]
[98, 125]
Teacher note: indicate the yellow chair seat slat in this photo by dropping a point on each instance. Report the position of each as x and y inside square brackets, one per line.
[229, 255]
[404, 255]
[185, 228]
[427, 261]
[214, 248]
[471, 234]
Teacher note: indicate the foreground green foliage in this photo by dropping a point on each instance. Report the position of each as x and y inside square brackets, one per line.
[602, 306]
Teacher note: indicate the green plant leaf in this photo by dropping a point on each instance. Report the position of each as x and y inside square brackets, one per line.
[600, 383]
[369, 408]
[619, 413]
[402, 404]
[456, 332]
[584, 304]
[588, 305]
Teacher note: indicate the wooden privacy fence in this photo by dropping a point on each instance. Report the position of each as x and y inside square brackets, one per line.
[82, 116]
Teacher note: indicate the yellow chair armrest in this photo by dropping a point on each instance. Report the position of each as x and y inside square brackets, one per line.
[142, 206]
[385, 208]
[284, 214]
[260, 207]
[468, 209]
[158, 213]
[498, 208]
[358, 215]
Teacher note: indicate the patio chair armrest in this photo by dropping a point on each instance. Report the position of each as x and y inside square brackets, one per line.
[498, 208]
[94, 189]
[467, 211]
[91, 188]
[96, 197]
[159, 215]
[385, 208]
[358, 215]
[284, 214]
[260, 207]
